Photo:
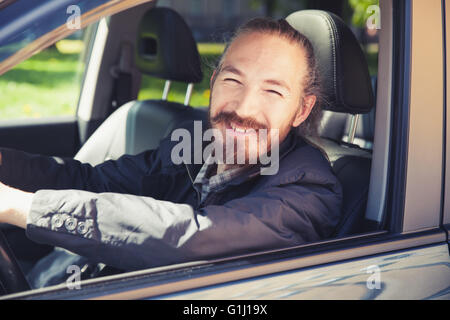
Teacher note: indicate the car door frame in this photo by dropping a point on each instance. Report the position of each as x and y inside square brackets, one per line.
[446, 193]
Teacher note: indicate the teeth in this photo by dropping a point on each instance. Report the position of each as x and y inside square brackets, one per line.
[239, 130]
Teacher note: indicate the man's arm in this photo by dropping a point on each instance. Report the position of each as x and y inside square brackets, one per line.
[131, 232]
[31, 172]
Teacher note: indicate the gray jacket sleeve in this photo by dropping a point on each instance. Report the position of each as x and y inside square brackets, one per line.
[133, 232]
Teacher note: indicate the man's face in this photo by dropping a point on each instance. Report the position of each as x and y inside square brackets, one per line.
[259, 87]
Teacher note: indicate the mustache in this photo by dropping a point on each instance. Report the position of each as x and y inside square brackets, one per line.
[232, 116]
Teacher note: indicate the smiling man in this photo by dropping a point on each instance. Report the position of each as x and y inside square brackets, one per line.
[147, 210]
[252, 92]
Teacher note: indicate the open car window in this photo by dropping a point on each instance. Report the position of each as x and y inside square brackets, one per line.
[48, 83]
[212, 23]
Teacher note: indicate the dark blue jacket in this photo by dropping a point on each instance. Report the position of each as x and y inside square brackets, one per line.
[143, 211]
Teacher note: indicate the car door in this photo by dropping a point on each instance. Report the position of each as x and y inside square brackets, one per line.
[407, 259]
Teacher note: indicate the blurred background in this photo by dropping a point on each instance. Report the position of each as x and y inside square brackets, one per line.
[48, 83]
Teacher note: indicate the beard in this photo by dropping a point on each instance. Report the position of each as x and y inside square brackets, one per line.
[242, 149]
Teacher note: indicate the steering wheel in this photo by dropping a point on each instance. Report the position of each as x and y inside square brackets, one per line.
[12, 278]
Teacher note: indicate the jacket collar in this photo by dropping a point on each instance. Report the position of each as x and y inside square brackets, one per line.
[288, 144]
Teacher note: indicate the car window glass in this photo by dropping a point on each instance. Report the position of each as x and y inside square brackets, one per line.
[47, 84]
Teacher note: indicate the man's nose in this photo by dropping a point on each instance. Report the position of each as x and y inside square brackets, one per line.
[247, 104]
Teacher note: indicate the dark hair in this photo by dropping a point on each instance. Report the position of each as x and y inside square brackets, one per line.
[311, 83]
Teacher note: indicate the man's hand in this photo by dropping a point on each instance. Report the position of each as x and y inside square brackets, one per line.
[14, 206]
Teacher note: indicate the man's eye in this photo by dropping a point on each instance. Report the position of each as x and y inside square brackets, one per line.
[231, 80]
[274, 92]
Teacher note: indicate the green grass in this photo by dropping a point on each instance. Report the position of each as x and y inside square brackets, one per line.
[372, 61]
[45, 85]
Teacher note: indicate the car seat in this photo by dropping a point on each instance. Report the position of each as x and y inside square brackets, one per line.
[338, 126]
[347, 90]
[165, 49]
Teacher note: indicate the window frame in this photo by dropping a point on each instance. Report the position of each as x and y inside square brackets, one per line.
[446, 37]
[424, 166]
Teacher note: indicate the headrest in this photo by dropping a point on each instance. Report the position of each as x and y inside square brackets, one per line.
[166, 48]
[341, 61]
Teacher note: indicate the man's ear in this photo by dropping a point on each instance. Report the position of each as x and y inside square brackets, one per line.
[305, 110]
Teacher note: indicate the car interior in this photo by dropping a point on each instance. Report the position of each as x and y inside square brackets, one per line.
[160, 44]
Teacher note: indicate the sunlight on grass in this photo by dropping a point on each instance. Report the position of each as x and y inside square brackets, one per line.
[210, 48]
[47, 84]
[70, 46]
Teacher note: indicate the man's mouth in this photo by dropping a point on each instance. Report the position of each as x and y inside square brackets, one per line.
[236, 126]
[239, 130]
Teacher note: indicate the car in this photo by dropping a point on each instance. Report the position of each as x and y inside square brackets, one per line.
[393, 242]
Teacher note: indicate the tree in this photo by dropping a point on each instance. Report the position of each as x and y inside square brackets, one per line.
[285, 7]
[269, 6]
[349, 10]
[360, 14]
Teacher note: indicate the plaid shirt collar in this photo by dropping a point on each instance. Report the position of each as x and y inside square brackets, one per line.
[205, 183]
